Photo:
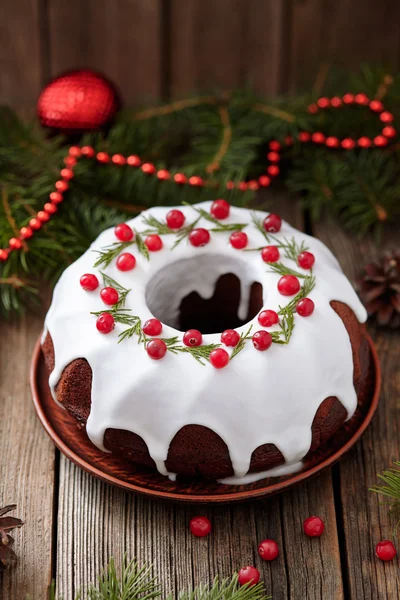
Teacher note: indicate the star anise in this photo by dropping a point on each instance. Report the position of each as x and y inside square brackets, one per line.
[379, 289]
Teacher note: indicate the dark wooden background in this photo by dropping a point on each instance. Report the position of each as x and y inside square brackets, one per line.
[166, 48]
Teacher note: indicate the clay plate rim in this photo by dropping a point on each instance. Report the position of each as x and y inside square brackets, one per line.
[231, 495]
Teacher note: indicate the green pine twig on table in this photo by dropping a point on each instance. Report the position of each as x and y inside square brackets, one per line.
[390, 488]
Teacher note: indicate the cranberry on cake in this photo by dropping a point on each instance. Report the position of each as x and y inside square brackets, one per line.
[207, 340]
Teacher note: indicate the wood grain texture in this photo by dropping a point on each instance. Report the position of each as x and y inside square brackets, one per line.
[226, 44]
[365, 521]
[123, 39]
[21, 52]
[26, 465]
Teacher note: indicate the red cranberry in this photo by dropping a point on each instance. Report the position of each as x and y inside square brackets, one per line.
[124, 233]
[267, 318]
[249, 575]
[192, 337]
[89, 282]
[175, 219]
[385, 550]
[272, 223]
[288, 285]
[270, 254]
[219, 358]
[153, 243]
[238, 239]
[220, 209]
[376, 105]
[105, 323]
[156, 349]
[262, 340]
[200, 526]
[268, 549]
[313, 526]
[305, 307]
[126, 262]
[152, 327]
[306, 260]
[199, 237]
[109, 295]
[230, 337]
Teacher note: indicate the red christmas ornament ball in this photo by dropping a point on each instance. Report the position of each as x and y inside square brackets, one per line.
[78, 101]
[152, 327]
[268, 549]
[200, 526]
[385, 550]
[249, 575]
[230, 337]
[105, 323]
[313, 526]
[25, 233]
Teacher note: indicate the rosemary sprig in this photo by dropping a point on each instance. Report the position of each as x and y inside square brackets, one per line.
[219, 226]
[200, 353]
[258, 223]
[141, 245]
[185, 232]
[286, 325]
[292, 249]
[282, 269]
[156, 226]
[241, 343]
[107, 255]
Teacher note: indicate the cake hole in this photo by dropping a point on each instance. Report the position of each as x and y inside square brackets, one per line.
[205, 293]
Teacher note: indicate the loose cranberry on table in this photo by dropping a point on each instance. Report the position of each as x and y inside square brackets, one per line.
[200, 526]
[220, 209]
[313, 526]
[385, 550]
[249, 575]
[268, 549]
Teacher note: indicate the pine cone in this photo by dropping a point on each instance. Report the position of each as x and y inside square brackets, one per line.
[7, 554]
[379, 289]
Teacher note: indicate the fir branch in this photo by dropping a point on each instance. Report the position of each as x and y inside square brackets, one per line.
[286, 325]
[226, 140]
[156, 226]
[291, 248]
[225, 589]
[391, 489]
[199, 353]
[282, 269]
[258, 223]
[110, 252]
[241, 343]
[305, 290]
[141, 245]
[184, 232]
[122, 291]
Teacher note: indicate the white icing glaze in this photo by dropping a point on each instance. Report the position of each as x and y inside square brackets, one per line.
[259, 398]
[280, 471]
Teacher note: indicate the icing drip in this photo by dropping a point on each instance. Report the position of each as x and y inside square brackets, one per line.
[259, 398]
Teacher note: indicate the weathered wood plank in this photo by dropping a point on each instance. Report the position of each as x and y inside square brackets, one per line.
[365, 521]
[21, 39]
[26, 465]
[122, 39]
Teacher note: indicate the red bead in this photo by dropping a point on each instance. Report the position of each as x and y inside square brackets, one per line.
[175, 219]
[275, 146]
[305, 307]
[273, 170]
[87, 151]
[89, 282]
[126, 262]
[386, 117]
[69, 161]
[270, 254]
[364, 142]
[272, 223]
[268, 549]
[67, 173]
[219, 358]
[389, 131]
[318, 138]
[200, 526]
[376, 105]
[306, 260]
[380, 141]
[313, 526]
[323, 102]
[118, 159]
[192, 337]
[195, 180]
[156, 349]
[220, 209]
[262, 340]
[361, 99]
[264, 181]
[348, 98]
[133, 161]
[74, 151]
[288, 285]
[304, 136]
[61, 186]
[230, 337]
[249, 575]
[15, 243]
[268, 318]
[253, 185]
[180, 178]
[336, 102]
[105, 323]
[230, 185]
[332, 142]
[123, 232]
[238, 239]
[109, 295]
[103, 157]
[273, 157]
[42, 216]
[50, 208]
[35, 224]
[3, 255]
[152, 327]
[148, 168]
[26, 233]
[199, 237]
[153, 242]
[348, 144]
[385, 550]
[312, 109]
[56, 197]
[288, 140]
[243, 186]
[163, 175]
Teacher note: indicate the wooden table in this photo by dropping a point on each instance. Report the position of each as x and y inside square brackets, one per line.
[74, 523]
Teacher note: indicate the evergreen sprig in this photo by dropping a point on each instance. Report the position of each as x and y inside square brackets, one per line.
[391, 487]
[218, 225]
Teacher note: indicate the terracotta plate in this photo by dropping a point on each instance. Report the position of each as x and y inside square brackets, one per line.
[70, 438]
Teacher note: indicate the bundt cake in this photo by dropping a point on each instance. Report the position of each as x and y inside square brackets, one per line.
[207, 340]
